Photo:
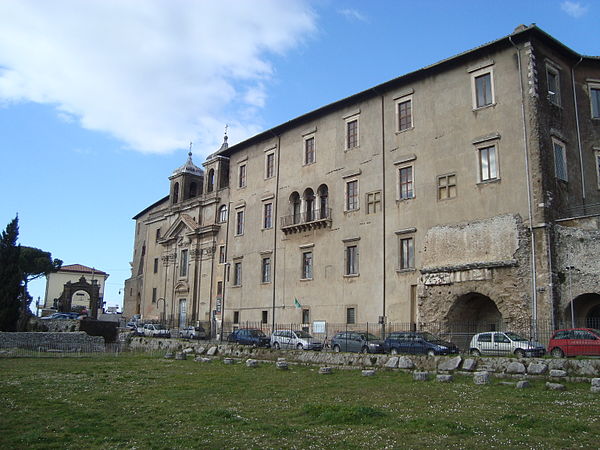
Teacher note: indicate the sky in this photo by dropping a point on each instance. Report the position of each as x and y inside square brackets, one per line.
[100, 99]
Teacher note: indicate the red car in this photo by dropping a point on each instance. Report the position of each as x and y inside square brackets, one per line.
[574, 341]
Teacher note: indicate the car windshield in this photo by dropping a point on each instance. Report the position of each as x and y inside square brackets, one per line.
[429, 337]
[514, 336]
[256, 333]
[303, 334]
[369, 337]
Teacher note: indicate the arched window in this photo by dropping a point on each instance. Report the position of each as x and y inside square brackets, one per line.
[309, 204]
[323, 208]
[295, 207]
[211, 180]
[175, 193]
[222, 214]
[193, 189]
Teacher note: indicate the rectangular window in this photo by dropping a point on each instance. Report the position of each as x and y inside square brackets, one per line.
[446, 185]
[373, 202]
[219, 288]
[352, 260]
[153, 295]
[309, 150]
[488, 166]
[155, 265]
[183, 265]
[407, 253]
[306, 316]
[350, 316]
[266, 270]
[242, 176]
[239, 224]
[237, 274]
[268, 215]
[351, 134]
[560, 160]
[265, 317]
[404, 114]
[483, 90]
[352, 195]
[595, 101]
[236, 317]
[553, 79]
[270, 165]
[405, 183]
[307, 266]
[221, 254]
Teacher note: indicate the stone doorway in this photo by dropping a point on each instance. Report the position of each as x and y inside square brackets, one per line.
[474, 313]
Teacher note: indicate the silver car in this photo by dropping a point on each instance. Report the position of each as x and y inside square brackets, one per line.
[498, 343]
[192, 333]
[294, 339]
[156, 330]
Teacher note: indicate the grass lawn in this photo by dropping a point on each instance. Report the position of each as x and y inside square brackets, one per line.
[139, 401]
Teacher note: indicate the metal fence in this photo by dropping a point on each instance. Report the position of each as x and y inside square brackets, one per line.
[61, 350]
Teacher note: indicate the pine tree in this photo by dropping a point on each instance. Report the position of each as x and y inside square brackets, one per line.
[10, 277]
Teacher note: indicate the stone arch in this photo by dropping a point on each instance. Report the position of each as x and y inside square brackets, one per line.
[175, 193]
[474, 312]
[65, 301]
[586, 311]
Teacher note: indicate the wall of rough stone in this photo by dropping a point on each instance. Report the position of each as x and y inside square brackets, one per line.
[579, 248]
[65, 341]
[490, 257]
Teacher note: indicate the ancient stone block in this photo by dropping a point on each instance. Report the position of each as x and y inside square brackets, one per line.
[481, 378]
[420, 376]
[515, 367]
[180, 356]
[469, 364]
[404, 362]
[557, 373]
[450, 364]
[325, 370]
[281, 365]
[169, 355]
[555, 386]
[523, 384]
[212, 351]
[228, 361]
[251, 363]
[536, 368]
[392, 363]
[444, 378]
[188, 350]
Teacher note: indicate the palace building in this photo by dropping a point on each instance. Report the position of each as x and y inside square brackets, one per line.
[464, 192]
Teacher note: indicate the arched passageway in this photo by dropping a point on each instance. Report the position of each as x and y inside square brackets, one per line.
[474, 312]
[583, 311]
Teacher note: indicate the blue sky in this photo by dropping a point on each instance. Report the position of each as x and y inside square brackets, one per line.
[99, 99]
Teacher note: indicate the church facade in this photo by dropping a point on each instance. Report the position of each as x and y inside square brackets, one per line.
[465, 192]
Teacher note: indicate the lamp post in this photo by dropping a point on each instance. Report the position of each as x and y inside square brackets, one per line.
[162, 320]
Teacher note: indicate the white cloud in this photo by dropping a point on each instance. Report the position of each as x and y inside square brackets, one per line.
[574, 9]
[153, 73]
[353, 14]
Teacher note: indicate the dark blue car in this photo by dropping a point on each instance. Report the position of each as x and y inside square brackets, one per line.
[418, 343]
[247, 336]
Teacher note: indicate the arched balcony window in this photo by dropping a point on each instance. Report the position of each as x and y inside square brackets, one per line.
[175, 193]
[323, 209]
[295, 206]
[210, 181]
[309, 204]
[222, 214]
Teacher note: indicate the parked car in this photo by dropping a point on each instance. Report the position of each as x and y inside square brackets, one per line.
[249, 336]
[574, 341]
[356, 341]
[156, 330]
[418, 343]
[504, 343]
[138, 329]
[62, 316]
[294, 339]
[193, 333]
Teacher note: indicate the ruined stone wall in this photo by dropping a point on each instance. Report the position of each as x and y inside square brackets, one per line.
[577, 266]
[490, 257]
[76, 341]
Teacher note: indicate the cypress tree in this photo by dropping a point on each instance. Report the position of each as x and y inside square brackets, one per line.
[10, 277]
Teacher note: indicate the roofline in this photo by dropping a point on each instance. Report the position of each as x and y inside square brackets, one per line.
[145, 210]
[529, 31]
[91, 270]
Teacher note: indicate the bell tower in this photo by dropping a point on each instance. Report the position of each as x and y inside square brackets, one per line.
[186, 182]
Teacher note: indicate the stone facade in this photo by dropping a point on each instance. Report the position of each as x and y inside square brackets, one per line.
[453, 194]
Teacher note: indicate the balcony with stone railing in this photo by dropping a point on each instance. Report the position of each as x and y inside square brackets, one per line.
[307, 220]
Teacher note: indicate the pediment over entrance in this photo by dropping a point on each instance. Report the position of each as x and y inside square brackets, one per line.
[182, 287]
[183, 225]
